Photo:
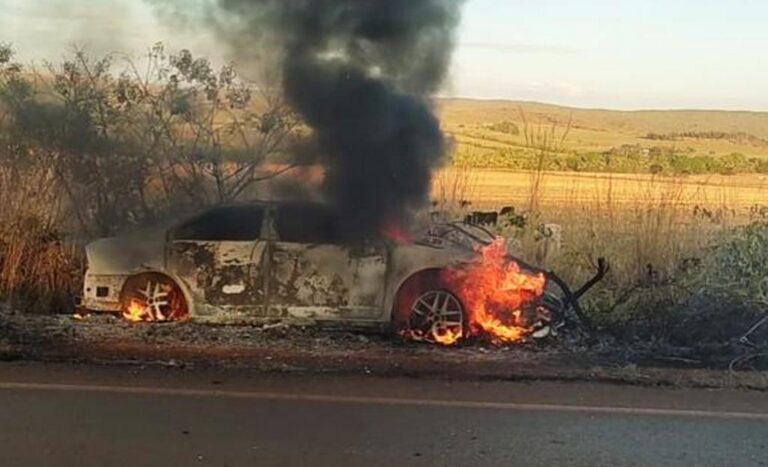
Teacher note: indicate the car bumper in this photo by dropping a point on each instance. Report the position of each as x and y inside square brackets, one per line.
[101, 293]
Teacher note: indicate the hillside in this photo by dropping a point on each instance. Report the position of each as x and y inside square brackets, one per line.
[475, 126]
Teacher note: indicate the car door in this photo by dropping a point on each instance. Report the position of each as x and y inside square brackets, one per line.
[220, 256]
[314, 276]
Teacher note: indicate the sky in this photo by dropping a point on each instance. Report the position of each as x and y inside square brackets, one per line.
[617, 54]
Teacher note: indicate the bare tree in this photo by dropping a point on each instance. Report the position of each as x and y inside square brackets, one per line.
[205, 131]
[172, 133]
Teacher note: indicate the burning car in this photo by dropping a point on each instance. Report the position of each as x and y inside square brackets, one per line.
[287, 261]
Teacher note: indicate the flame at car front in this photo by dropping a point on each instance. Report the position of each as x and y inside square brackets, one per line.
[496, 294]
[494, 291]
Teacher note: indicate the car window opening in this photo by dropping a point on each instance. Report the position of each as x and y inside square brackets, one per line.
[310, 224]
[233, 224]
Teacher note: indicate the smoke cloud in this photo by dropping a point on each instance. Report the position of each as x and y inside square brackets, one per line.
[42, 29]
[360, 73]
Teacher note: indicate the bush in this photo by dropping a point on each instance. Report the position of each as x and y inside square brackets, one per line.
[736, 271]
[729, 291]
[39, 270]
[506, 127]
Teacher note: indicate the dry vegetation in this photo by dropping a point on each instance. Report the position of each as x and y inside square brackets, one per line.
[491, 134]
[493, 188]
[685, 252]
[89, 148]
[602, 130]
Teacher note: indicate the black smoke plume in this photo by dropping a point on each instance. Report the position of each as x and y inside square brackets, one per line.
[360, 73]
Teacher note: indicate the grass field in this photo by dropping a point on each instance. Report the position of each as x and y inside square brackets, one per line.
[601, 130]
[492, 189]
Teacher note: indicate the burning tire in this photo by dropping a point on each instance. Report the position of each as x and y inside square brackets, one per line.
[427, 311]
[153, 298]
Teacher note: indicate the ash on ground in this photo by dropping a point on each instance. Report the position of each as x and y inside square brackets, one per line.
[278, 347]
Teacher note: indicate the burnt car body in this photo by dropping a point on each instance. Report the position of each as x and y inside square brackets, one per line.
[262, 260]
[274, 261]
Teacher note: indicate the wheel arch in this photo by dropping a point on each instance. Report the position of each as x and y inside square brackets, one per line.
[415, 278]
[188, 298]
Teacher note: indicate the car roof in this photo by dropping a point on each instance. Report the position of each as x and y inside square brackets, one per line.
[271, 203]
[244, 206]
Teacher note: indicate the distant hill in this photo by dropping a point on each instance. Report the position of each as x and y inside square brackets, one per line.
[488, 126]
[458, 111]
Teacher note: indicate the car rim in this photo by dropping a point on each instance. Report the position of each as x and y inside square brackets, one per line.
[438, 316]
[156, 299]
[153, 298]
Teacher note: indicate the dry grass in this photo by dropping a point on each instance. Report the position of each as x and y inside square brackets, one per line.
[38, 266]
[454, 187]
[545, 140]
[496, 188]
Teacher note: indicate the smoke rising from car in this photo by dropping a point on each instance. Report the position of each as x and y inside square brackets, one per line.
[360, 73]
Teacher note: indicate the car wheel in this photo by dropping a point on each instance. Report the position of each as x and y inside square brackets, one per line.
[429, 312]
[438, 316]
[152, 298]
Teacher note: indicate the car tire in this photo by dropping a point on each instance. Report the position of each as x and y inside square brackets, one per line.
[427, 310]
[153, 297]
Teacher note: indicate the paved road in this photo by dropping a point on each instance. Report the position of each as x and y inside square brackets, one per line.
[82, 416]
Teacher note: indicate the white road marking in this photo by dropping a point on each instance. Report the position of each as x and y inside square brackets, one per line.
[370, 400]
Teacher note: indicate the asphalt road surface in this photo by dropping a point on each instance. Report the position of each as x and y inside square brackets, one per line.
[66, 415]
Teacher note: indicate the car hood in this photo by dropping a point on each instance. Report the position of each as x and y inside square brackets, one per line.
[420, 256]
[416, 256]
[127, 254]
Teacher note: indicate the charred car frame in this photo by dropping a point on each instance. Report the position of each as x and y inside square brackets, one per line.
[269, 261]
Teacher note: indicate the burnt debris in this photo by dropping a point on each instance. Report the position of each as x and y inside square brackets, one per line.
[360, 73]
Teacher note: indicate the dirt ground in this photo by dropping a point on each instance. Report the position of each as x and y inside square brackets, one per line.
[278, 348]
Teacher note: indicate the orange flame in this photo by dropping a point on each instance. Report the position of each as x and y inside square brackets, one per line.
[447, 338]
[137, 313]
[494, 291]
[396, 233]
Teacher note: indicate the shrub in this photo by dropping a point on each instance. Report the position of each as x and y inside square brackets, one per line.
[506, 127]
[729, 290]
[39, 270]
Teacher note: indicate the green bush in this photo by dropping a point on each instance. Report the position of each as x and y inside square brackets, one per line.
[729, 289]
[506, 127]
[737, 269]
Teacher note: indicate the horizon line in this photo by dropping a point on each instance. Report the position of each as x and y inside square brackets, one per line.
[600, 108]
